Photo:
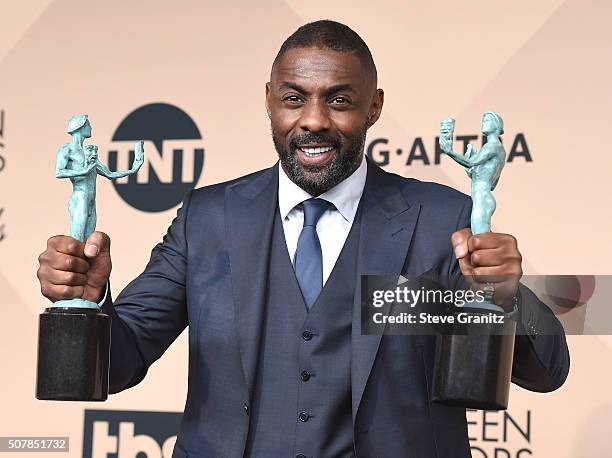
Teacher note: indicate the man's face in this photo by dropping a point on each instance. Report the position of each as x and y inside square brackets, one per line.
[321, 103]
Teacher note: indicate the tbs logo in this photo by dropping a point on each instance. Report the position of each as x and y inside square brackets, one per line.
[174, 156]
[129, 434]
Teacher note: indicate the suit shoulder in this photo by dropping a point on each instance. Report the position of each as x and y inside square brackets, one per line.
[442, 208]
[215, 193]
[430, 191]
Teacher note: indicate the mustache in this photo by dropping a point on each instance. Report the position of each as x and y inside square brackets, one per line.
[308, 138]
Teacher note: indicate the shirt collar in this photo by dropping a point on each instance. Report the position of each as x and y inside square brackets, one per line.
[344, 196]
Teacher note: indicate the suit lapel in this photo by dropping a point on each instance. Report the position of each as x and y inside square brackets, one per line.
[250, 209]
[387, 225]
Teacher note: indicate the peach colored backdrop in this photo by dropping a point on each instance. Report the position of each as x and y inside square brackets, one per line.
[543, 65]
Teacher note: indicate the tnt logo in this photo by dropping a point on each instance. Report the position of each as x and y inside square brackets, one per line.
[174, 156]
[129, 434]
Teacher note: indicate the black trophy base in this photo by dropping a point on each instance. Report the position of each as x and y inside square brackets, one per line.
[473, 366]
[73, 354]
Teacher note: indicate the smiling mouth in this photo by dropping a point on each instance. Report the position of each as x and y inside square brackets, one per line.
[316, 155]
[315, 151]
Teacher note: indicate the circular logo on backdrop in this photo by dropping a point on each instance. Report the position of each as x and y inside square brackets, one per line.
[174, 156]
[569, 291]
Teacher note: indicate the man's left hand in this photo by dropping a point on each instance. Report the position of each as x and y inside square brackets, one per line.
[490, 257]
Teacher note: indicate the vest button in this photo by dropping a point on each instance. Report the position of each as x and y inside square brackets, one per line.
[305, 376]
[300, 455]
[303, 416]
[307, 335]
[246, 408]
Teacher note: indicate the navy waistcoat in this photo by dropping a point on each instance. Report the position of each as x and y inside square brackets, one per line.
[302, 398]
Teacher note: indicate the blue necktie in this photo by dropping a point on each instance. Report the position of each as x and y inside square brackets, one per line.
[308, 261]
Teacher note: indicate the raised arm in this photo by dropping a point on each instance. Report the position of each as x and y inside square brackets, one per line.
[138, 160]
[105, 171]
[151, 311]
[460, 159]
[541, 356]
[472, 158]
[447, 146]
[61, 162]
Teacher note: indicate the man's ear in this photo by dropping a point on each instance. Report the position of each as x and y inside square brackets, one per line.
[266, 100]
[376, 107]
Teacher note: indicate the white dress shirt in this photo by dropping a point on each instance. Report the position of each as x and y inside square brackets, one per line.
[334, 225]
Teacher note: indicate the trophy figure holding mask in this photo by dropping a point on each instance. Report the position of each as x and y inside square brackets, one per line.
[483, 167]
[74, 335]
[474, 361]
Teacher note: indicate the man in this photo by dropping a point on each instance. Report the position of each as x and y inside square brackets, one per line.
[267, 278]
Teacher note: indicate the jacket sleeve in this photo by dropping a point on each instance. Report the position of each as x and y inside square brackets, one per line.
[150, 312]
[541, 356]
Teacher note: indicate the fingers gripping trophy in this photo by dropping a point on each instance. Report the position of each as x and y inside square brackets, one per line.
[474, 361]
[74, 335]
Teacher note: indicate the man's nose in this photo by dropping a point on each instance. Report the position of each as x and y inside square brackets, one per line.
[315, 116]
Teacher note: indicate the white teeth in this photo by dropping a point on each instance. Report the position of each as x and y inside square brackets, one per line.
[317, 150]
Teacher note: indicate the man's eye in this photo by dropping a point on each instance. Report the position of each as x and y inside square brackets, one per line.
[340, 100]
[292, 98]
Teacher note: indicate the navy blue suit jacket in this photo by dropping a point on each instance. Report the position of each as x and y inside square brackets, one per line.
[209, 274]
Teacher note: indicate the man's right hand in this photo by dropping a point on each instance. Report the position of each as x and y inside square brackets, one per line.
[69, 268]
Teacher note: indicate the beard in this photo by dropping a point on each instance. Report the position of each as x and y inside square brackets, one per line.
[315, 179]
